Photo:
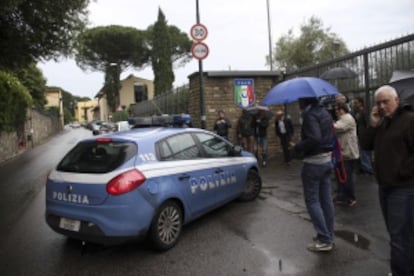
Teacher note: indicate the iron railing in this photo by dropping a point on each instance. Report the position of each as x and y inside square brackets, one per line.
[172, 102]
[374, 66]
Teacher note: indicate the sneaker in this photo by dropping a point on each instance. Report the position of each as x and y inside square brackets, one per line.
[264, 164]
[320, 247]
[351, 202]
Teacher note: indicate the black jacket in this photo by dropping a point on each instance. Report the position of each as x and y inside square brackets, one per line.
[393, 145]
[288, 126]
[317, 131]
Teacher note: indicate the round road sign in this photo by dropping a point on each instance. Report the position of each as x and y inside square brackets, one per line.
[198, 32]
[199, 50]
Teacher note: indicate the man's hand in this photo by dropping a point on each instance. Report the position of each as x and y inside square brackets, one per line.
[375, 117]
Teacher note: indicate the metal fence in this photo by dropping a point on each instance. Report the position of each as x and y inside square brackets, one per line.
[173, 102]
[374, 66]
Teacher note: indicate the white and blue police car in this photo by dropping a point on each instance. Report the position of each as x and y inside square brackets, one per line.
[146, 182]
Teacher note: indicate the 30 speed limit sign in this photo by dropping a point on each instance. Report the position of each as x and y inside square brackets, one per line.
[198, 32]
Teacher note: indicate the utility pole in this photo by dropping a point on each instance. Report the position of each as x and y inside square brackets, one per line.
[200, 71]
[270, 36]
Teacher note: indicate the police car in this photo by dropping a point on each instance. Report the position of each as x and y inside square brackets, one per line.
[146, 182]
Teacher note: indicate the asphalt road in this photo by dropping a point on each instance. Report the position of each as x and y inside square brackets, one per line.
[264, 237]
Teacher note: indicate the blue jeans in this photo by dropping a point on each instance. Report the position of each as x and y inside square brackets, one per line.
[397, 207]
[365, 161]
[262, 146]
[318, 198]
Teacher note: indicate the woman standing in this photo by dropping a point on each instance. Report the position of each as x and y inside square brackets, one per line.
[346, 131]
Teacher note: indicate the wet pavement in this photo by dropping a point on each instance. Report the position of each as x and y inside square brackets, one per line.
[361, 225]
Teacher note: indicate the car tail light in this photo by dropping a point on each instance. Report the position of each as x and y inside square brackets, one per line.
[125, 182]
[104, 140]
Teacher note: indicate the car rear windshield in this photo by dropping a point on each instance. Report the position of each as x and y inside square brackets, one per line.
[97, 157]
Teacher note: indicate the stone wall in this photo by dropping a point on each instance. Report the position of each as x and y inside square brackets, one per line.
[37, 129]
[219, 95]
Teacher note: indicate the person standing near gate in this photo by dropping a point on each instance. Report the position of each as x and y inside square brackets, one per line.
[261, 122]
[284, 130]
[346, 130]
[391, 136]
[316, 147]
[222, 125]
[245, 130]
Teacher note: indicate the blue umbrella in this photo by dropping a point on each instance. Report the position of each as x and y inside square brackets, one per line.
[292, 90]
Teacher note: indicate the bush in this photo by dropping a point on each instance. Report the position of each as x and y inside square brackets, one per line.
[14, 101]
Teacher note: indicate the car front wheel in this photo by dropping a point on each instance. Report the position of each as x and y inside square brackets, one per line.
[252, 187]
[166, 226]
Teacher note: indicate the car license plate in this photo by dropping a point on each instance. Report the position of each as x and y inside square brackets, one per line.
[69, 224]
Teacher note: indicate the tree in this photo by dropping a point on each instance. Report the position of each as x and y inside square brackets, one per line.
[14, 101]
[34, 30]
[314, 45]
[161, 55]
[32, 78]
[111, 49]
[168, 45]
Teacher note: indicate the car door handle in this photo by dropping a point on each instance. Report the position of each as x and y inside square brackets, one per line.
[219, 171]
[183, 177]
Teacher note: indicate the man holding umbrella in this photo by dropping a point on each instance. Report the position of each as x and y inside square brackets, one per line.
[316, 148]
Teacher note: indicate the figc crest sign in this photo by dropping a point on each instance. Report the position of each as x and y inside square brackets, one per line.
[244, 92]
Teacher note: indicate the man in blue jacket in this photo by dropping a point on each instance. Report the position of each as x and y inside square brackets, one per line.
[316, 148]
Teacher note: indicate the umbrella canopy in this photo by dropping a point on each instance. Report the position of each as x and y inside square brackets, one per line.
[403, 82]
[338, 73]
[292, 90]
[260, 108]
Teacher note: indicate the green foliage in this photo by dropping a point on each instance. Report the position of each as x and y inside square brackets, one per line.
[314, 45]
[53, 110]
[168, 45]
[112, 86]
[120, 116]
[41, 29]
[161, 56]
[14, 101]
[32, 78]
[100, 47]
[67, 116]
[112, 49]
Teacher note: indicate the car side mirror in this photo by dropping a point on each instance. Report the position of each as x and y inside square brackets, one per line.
[236, 150]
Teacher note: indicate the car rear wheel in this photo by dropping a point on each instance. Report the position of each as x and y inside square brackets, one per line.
[253, 186]
[166, 226]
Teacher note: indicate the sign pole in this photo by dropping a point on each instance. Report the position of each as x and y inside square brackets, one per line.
[200, 72]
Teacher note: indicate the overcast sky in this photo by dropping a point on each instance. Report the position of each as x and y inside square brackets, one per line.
[238, 37]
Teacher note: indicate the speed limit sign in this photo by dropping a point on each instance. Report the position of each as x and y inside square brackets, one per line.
[198, 32]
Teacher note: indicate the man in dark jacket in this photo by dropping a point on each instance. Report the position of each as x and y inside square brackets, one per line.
[391, 136]
[261, 122]
[316, 147]
[284, 130]
[222, 125]
[245, 130]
